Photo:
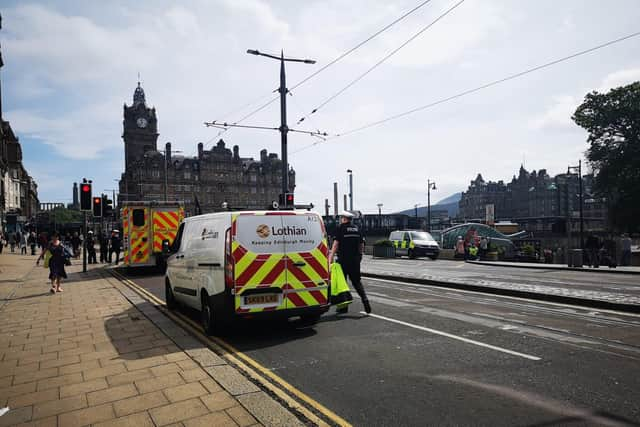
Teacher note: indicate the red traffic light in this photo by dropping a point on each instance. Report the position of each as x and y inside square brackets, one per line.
[97, 200]
[86, 188]
[289, 198]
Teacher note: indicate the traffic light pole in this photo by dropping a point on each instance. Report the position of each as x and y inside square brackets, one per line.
[84, 245]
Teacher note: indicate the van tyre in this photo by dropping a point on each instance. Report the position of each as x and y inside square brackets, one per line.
[434, 257]
[169, 298]
[310, 319]
[411, 254]
[214, 320]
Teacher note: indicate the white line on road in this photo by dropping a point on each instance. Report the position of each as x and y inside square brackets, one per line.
[455, 337]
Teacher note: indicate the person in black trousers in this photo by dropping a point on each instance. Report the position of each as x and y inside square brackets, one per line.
[348, 243]
[115, 246]
[91, 250]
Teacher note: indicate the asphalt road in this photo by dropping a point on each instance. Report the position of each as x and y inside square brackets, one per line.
[433, 356]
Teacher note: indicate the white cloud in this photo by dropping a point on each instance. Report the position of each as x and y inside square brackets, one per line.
[558, 115]
[620, 78]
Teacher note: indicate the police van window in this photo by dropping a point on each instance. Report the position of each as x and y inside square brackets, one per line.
[406, 237]
[138, 217]
[175, 246]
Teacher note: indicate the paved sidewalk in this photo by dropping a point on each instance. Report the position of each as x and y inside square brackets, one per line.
[90, 356]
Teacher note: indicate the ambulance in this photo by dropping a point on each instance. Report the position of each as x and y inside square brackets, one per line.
[145, 226]
[249, 264]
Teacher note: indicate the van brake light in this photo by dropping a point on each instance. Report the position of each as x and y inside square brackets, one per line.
[229, 266]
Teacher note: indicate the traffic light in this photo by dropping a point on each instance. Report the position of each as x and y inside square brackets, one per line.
[97, 207]
[285, 200]
[85, 196]
[107, 206]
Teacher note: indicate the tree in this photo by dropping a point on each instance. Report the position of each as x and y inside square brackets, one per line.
[613, 122]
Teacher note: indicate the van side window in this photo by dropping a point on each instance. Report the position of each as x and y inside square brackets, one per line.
[138, 217]
[406, 237]
[175, 246]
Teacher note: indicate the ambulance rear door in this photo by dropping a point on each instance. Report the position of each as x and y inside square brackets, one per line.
[165, 226]
[259, 262]
[139, 238]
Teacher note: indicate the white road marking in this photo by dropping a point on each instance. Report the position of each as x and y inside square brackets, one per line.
[455, 337]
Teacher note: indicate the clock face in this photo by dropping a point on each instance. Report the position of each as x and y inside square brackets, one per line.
[142, 122]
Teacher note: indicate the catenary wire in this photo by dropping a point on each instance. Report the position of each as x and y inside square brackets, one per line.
[476, 89]
[380, 62]
[312, 75]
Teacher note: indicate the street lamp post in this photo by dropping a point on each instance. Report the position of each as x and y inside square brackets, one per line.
[284, 129]
[430, 186]
[380, 214]
[350, 172]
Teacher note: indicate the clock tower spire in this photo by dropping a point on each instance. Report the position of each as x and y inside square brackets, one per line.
[140, 129]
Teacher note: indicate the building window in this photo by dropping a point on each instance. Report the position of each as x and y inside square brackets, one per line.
[187, 175]
[155, 173]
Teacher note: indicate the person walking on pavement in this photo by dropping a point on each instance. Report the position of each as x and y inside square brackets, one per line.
[75, 243]
[115, 245]
[56, 263]
[2, 241]
[348, 243]
[91, 250]
[12, 242]
[484, 246]
[23, 244]
[32, 242]
[593, 250]
[626, 250]
[104, 247]
[460, 248]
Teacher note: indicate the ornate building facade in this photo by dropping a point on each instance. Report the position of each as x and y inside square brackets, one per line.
[536, 200]
[208, 180]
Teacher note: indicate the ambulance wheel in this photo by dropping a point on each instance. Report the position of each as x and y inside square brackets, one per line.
[169, 298]
[411, 254]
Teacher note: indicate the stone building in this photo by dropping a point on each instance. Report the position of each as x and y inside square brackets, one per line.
[535, 200]
[18, 190]
[209, 179]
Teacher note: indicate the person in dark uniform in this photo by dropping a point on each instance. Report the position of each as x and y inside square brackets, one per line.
[348, 243]
[115, 246]
[104, 247]
[91, 250]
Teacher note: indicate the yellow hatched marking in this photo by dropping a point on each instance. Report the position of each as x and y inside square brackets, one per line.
[244, 263]
[307, 298]
[265, 269]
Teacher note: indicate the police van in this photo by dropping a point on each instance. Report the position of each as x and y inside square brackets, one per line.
[414, 243]
[249, 264]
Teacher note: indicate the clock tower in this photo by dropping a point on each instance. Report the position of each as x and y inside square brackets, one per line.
[140, 129]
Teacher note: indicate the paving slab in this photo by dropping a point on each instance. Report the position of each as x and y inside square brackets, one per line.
[98, 354]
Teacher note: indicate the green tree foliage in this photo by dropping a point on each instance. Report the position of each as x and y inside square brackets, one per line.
[65, 216]
[613, 122]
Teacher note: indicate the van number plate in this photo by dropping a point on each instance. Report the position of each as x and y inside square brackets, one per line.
[261, 299]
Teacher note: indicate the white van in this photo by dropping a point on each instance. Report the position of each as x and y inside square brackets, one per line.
[249, 264]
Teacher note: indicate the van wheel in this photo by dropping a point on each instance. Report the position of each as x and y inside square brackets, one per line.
[411, 254]
[310, 319]
[214, 320]
[434, 257]
[169, 298]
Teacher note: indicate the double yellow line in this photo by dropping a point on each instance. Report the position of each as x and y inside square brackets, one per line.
[291, 396]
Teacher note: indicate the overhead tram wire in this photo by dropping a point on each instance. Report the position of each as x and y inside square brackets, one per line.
[380, 62]
[309, 77]
[476, 89]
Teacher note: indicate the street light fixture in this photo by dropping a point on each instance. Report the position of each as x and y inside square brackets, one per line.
[380, 214]
[284, 129]
[430, 186]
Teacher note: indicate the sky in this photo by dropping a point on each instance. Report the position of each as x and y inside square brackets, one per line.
[70, 66]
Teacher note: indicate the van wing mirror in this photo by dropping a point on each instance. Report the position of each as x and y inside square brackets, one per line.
[166, 247]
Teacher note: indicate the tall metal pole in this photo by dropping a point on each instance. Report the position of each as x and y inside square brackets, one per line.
[84, 244]
[350, 172]
[428, 205]
[581, 216]
[335, 199]
[283, 126]
[166, 179]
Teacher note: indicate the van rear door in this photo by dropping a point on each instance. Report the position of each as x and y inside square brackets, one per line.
[307, 268]
[260, 263]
